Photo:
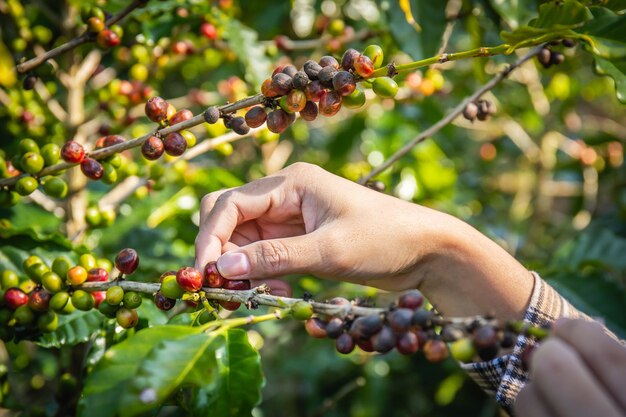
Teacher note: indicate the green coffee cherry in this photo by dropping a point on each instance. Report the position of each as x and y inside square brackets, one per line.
[355, 99]
[61, 265]
[26, 185]
[302, 310]
[24, 315]
[170, 288]
[27, 145]
[107, 309]
[385, 87]
[110, 173]
[32, 162]
[92, 216]
[9, 279]
[30, 261]
[375, 53]
[55, 187]
[37, 271]
[83, 300]
[87, 261]
[462, 350]
[51, 153]
[59, 301]
[115, 295]
[48, 322]
[52, 282]
[132, 299]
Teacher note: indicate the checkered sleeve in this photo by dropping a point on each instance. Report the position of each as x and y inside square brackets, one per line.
[503, 376]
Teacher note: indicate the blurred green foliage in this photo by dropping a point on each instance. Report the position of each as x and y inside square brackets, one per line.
[544, 177]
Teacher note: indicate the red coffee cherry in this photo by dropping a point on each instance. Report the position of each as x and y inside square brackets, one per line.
[107, 39]
[208, 30]
[267, 90]
[72, 152]
[156, 109]
[212, 276]
[256, 116]
[127, 260]
[39, 300]
[98, 297]
[343, 83]
[181, 116]
[189, 279]
[14, 298]
[277, 121]
[152, 148]
[435, 350]
[174, 144]
[92, 168]
[97, 275]
[407, 343]
[330, 103]
[237, 285]
[315, 328]
[313, 91]
[112, 140]
[309, 112]
[364, 66]
[411, 300]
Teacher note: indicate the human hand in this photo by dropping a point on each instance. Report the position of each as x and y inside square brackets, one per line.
[579, 372]
[306, 220]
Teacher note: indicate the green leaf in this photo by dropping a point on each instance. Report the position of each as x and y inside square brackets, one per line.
[74, 328]
[114, 374]
[149, 311]
[421, 38]
[515, 12]
[244, 42]
[604, 35]
[237, 387]
[169, 364]
[615, 70]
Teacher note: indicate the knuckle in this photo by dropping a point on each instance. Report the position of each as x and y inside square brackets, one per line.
[273, 255]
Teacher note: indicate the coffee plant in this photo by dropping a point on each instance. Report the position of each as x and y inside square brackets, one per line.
[117, 117]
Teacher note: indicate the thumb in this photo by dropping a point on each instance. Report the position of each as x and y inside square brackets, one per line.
[272, 258]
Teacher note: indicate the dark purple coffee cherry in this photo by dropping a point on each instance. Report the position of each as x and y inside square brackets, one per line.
[127, 260]
[544, 57]
[347, 61]
[211, 115]
[508, 339]
[162, 302]
[290, 70]
[309, 112]
[152, 148]
[314, 91]
[277, 121]
[256, 116]
[557, 58]
[312, 69]
[328, 61]
[343, 83]
[526, 355]
[423, 318]
[281, 83]
[345, 344]
[326, 76]
[156, 109]
[471, 111]
[450, 333]
[365, 327]
[411, 299]
[300, 80]
[29, 82]
[330, 103]
[174, 144]
[335, 327]
[384, 340]
[407, 343]
[400, 319]
[366, 345]
[239, 125]
[485, 337]
[92, 168]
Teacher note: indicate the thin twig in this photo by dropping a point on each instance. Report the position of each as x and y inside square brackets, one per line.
[450, 116]
[68, 46]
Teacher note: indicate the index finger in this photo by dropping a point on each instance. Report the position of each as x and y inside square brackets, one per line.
[223, 211]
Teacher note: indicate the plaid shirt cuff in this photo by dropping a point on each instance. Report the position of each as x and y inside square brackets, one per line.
[503, 377]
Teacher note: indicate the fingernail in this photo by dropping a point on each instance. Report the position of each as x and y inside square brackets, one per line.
[233, 264]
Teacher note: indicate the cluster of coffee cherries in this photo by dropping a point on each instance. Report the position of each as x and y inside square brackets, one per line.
[409, 327]
[95, 19]
[31, 160]
[33, 303]
[104, 170]
[174, 144]
[479, 109]
[319, 87]
[548, 57]
[174, 284]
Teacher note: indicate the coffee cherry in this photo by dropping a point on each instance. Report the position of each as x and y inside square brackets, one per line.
[115, 295]
[59, 300]
[462, 350]
[267, 90]
[98, 297]
[30, 261]
[211, 115]
[315, 328]
[156, 109]
[48, 322]
[335, 327]
[508, 339]
[126, 317]
[170, 288]
[39, 300]
[407, 343]
[365, 327]
[385, 87]
[366, 345]
[330, 103]
[485, 337]
[237, 285]
[363, 66]
[132, 299]
[72, 152]
[485, 108]
[14, 298]
[557, 58]
[174, 144]
[326, 76]
[32, 162]
[9, 279]
[423, 318]
[95, 25]
[471, 111]
[300, 80]
[26, 185]
[87, 261]
[55, 187]
[295, 101]
[181, 116]
[83, 300]
[290, 70]
[52, 282]
[77, 275]
[208, 30]
[544, 57]
[375, 54]
[51, 153]
[384, 340]
[112, 140]
[127, 260]
[347, 61]
[309, 112]
[277, 121]
[162, 302]
[569, 43]
[92, 169]
[152, 148]
[239, 125]
[189, 279]
[302, 310]
[400, 319]
[212, 276]
[29, 82]
[328, 61]
[344, 344]
[37, 271]
[107, 39]
[411, 299]
[355, 99]
[281, 83]
[27, 145]
[314, 91]
[435, 350]
[23, 315]
[343, 83]
[109, 175]
[312, 68]
[256, 116]
[107, 309]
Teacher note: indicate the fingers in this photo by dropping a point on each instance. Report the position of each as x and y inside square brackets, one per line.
[274, 257]
[222, 211]
[604, 356]
[566, 384]
[530, 404]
